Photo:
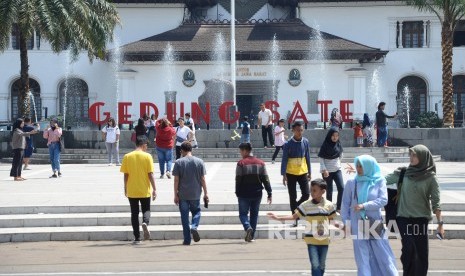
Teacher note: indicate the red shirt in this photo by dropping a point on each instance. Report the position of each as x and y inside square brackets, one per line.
[357, 131]
[164, 137]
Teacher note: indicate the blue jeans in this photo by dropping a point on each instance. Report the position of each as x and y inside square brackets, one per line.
[251, 205]
[317, 255]
[382, 136]
[54, 151]
[186, 206]
[245, 138]
[165, 156]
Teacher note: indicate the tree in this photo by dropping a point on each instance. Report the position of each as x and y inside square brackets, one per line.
[75, 25]
[449, 13]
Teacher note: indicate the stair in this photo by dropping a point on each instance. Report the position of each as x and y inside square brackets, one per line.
[220, 221]
[99, 156]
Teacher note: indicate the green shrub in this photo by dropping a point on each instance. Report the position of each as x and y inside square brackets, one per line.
[427, 120]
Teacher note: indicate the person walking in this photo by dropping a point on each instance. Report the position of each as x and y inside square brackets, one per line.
[183, 133]
[18, 144]
[111, 134]
[246, 130]
[151, 126]
[367, 131]
[251, 178]
[280, 139]
[164, 142]
[318, 212]
[53, 136]
[364, 197]
[29, 150]
[189, 180]
[381, 125]
[265, 119]
[418, 196]
[296, 166]
[139, 186]
[330, 156]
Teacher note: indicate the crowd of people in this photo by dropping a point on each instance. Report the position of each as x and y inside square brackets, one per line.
[414, 190]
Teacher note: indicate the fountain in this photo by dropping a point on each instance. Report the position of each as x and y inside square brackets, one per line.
[275, 57]
[373, 93]
[33, 101]
[168, 61]
[321, 55]
[404, 106]
[116, 61]
[68, 62]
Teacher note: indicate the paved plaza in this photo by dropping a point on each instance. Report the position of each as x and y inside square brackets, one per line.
[95, 185]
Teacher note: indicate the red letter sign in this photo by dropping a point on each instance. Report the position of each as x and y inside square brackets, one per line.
[94, 113]
[298, 113]
[324, 109]
[345, 110]
[123, 113]
[198, 114]
[273, 106]
[146, 107]
[225, 114]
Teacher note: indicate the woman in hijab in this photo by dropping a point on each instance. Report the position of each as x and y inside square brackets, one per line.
[367, 131]
[18, 143]
[364, 197]
[330, 156]
[336, 119]
[418, 196]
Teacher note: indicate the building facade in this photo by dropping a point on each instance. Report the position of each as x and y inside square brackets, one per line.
[319, 54]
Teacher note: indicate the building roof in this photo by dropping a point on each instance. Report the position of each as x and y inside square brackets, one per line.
[297, 41]
[213, 2]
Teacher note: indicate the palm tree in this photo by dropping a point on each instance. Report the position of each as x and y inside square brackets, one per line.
[449, 13]
[75, 25]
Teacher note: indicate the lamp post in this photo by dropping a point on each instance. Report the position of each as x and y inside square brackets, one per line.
[233, 49]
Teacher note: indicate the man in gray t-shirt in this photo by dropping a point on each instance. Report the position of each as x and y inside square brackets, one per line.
[189, 180]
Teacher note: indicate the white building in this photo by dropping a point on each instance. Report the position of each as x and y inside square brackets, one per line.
[367, 52]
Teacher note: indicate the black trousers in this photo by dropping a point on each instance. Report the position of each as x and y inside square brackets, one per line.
[145, 204]
[292, 181]
[276, 151]
[337, 178]
[16, 165]
[178, 152]
[267, 130]
[414, 234]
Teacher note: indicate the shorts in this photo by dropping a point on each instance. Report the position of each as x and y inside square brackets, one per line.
[28, 152]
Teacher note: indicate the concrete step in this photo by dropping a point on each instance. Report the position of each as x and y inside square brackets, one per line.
[170, 232]
[159, 218]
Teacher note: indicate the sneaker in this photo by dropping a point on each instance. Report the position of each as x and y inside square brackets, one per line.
[54, 176]
[168, 174]
[145, 228]
[296, 223]
[265, 147]
[136, 242]
[272, 161]
[248, 234]
[162, 176]
[59, 174]
[195, 235]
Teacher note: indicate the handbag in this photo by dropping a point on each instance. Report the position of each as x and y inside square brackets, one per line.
[61, 145]
[393, 196]
[133, 137]
[378, 224]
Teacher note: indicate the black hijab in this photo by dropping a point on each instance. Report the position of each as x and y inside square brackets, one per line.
[330, 149]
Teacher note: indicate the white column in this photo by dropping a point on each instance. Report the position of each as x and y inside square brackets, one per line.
[425, 32]
[392, 34]
[233, 49]
[34, 40]
[401, 34]
[127, 85]
[358, 91]
[434, 34]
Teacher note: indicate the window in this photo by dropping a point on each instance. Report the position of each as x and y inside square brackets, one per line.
[459, 96]
[74, 94]
[417, 101]
[15, 39]
[459, 34]
[412, 34]
[35, 110]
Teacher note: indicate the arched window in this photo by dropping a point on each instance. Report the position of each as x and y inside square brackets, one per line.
[417, 101]
[35, 100]
[459, 96]
[74, 97]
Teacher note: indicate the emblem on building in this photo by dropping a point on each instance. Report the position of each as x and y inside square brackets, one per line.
[188, 78]
[294, 77]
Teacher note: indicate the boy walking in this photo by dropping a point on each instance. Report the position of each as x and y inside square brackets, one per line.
[296, 167]
[251, 177]
[246, 130]
[318, 212]
[138, 179]
[189, 180]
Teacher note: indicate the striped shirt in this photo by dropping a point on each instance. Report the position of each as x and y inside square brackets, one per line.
[330, 165]
[251, 177]
[317, 216]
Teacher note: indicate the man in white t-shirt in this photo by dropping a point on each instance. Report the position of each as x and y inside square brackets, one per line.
[183, 133]
[265, 119]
